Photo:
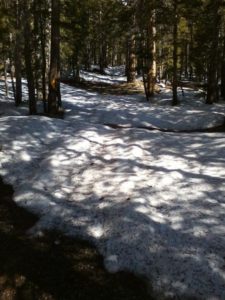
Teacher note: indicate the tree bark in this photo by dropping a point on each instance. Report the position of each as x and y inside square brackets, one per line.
[223, 71]
[151, 49]
[28, 59]
[212, 75]
[54, 96]
[18, 55]
[6, 81]
[175, 47]
[12, 74]
[131, 60]
[43, 60]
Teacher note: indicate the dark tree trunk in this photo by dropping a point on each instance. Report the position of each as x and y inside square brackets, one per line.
[223, 72]
[12, 74]
[147, 45]
[36, 43]
[186, 59]
[131, 60]
[212, 86]
[6, 81]
[18, 90]
[28, 59]
[151, 54]
[175, 46]
[54, 96]
[17, 56]
[223, 79]
[43, 62]
[212, 75]
[103, 57]
[190, 52]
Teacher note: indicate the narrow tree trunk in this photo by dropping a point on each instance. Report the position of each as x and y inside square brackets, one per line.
[223, 72]
[190, 52]
[212, 82]
[43, 61]
[6, 81]
[175, 46]
[76, 68]
[18, 75]
[54, 96]
[18, 55]
[36, 42]
[186, 59]
[12, 74]
[212, 85]
[28, 60]
[131, 60]
[103, 57]
[151, 49]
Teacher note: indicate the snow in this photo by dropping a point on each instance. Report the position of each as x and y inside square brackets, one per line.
[133, 111]
[112, 75]
[107, 78]
[153, 202]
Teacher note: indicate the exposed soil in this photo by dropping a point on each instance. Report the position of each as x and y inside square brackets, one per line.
[106, 88]
[54, 266]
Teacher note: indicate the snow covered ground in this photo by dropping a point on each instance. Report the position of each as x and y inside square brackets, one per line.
[113, 75]
[133, 111]
[153, 202]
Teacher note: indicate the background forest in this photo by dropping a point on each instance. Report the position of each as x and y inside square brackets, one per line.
[170, 39]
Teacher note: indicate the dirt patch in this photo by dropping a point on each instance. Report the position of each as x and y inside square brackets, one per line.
[54, 266]
[106, 88]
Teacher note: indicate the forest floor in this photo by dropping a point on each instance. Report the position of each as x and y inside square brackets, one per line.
[107, 88]
[152, 201]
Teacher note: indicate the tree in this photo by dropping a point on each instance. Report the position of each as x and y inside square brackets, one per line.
[213, 11]
[54, 96]
[131, 42]
[175, 47]
[28, 56]
[147, 47]
[18, 53]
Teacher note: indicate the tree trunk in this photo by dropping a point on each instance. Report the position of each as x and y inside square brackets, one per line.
[147, 45]
[12, 74]
[6, 81]
[103, 57]
[17, 56]
[43, 62]
[36, 43]
[151, 54]
[190, 51]
[18, 75]
[212, 86]
[186, 59]
[28, 59]
[131, 60]
[54, 96]
[175, 46]
[223, 72]
[212, 82]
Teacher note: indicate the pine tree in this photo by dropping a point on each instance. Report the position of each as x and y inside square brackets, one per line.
[54, 96]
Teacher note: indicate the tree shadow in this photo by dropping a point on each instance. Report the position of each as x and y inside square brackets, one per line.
[54, 266]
